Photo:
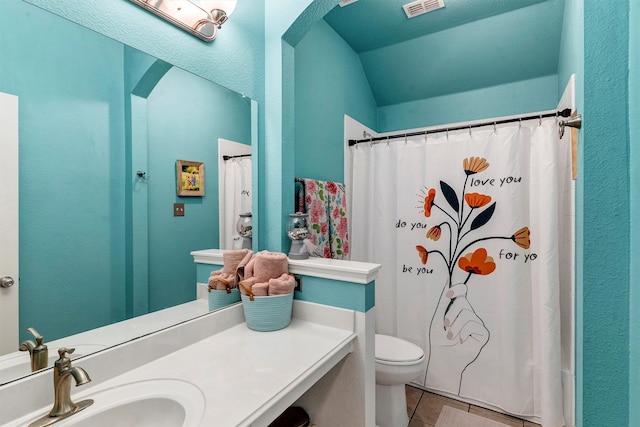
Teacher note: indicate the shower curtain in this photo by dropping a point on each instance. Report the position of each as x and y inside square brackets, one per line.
[236, 199]
[465, 225]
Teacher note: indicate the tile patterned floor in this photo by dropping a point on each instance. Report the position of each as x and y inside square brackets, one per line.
[423, 409]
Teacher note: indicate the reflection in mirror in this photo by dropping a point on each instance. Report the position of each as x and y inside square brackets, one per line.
[234, 168]
[101, 126]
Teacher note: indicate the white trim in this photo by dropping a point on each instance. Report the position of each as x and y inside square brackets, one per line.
[335, 269]
[9, 222]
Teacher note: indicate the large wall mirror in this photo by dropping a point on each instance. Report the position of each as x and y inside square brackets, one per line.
[101, 126]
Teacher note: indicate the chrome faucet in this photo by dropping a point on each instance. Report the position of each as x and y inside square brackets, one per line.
[63, 406]
[37, 350]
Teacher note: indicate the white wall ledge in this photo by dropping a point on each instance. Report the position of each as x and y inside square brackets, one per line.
[348, 271]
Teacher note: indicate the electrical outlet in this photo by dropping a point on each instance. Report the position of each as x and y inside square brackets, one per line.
[178, 209]
[298, 280]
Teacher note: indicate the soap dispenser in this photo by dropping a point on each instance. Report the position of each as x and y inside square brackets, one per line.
[38, 351]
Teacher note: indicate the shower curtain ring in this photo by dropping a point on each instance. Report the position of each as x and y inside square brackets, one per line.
[494, 127]
[447, 133]
[469, 130]
[540, 120]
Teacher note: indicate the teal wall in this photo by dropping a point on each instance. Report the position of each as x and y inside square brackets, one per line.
[71, 199]
[286, 23]
[634, 253]
[337, 293]
[329, 83]
[571, 57]
[603, 217]
[537, 94]
[233, 59]
[185, 124]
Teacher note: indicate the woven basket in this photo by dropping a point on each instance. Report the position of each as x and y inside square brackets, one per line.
[268, 313]
[220, 298]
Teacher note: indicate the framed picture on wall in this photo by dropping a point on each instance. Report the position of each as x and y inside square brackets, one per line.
[189, 178]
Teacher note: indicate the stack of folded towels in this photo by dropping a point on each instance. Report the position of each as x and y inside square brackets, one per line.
[232, 272]
[267, 274]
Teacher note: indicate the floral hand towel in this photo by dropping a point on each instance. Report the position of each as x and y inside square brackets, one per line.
[338, 231]
[325, 203]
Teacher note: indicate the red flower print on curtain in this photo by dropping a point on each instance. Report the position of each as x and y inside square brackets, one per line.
[466, 215]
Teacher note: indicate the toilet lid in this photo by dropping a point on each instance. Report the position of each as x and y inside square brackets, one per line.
[392, 349]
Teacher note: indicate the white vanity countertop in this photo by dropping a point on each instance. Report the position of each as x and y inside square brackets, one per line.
[247, 378]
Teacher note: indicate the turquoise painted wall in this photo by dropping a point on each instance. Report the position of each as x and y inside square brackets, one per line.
[235, 59]
[634, 140]
[337, 293]
[329, 83]
[286, 23]
[71, 199]
[185, 124]
[141, 72]
[537, 94]
[603, 210]
[571, 56]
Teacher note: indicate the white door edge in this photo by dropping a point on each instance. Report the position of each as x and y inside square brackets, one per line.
[9, 221]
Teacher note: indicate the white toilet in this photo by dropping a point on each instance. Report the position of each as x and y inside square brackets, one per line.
[397, 363]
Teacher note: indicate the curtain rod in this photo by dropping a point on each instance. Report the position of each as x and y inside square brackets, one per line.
[564, 113]
[225, 158]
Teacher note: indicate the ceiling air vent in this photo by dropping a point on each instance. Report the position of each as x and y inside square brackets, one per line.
[416, 8]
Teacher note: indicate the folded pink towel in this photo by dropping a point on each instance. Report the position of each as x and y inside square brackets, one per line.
[232, 271]
[282, 285]
[269, 265]
[260, 289]
[267, 274]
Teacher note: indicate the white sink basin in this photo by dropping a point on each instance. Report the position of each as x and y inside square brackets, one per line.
[17, 365]
[157, 403]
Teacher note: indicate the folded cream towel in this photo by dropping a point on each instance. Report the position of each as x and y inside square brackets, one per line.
[227, 277]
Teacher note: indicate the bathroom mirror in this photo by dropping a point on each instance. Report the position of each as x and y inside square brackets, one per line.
[101, 127]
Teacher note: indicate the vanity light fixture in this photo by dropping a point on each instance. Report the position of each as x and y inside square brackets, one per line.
[201, 18]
